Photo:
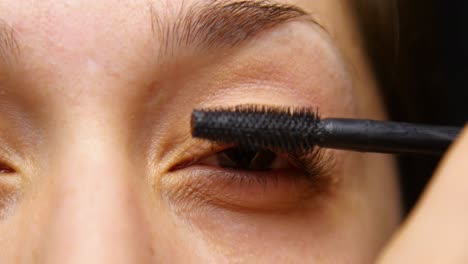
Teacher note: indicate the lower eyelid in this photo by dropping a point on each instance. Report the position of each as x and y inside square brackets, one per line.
[200, 186]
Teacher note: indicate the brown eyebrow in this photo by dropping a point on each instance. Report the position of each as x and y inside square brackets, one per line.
[214, 24]
[223, 23]
[9, 48]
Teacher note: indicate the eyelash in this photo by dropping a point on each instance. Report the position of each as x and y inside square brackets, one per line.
[189, 183]
[311, 164]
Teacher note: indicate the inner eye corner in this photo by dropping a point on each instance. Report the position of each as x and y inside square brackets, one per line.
[7, 169]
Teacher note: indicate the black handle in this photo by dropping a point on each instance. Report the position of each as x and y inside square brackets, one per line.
[386, 137]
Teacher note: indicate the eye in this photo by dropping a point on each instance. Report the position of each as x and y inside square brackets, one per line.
[10, 183]
[246, 159]
[5, 169]
[243, 179]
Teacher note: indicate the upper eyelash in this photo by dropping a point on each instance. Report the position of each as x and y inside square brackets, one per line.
[313, 164]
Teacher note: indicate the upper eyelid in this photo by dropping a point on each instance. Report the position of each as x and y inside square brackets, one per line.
[194, 152]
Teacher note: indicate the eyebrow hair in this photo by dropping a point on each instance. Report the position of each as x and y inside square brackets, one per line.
[216, 23]
[9, 48]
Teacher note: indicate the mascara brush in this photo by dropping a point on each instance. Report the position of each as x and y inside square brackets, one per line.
[301, 129]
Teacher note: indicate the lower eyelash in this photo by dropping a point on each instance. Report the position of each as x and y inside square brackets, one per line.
[315, 167]
[264, 191]
[311, 177]
[315, 163]
[312, 164]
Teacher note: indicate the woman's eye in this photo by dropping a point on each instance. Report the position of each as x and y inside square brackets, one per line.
[246, 159]
[5, 169]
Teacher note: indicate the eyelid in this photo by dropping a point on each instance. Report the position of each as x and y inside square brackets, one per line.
[213, 188]
[313, 164]
[196, 151]
[188, 186]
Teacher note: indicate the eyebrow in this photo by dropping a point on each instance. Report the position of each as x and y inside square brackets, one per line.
[213, 24]
[9, 48]
[217, 24]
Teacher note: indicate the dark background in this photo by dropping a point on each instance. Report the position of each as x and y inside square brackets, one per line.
[431, 73]
[454, 54]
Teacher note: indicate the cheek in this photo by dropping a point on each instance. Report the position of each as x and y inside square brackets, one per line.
[347, 225]
[372, 208]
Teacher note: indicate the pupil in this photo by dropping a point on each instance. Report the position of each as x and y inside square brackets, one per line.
[246, 159]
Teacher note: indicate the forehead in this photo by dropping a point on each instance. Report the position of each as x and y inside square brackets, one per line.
[89, 44]
[98, 33]
[80, 25]
[77, 30]
[84, 56]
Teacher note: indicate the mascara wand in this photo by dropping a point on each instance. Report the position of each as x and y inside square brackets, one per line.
[302, 129]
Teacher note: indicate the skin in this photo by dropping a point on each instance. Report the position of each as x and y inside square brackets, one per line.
[94, 123]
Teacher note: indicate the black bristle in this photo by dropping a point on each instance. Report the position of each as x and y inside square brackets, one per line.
[253, 126]
[301, 129]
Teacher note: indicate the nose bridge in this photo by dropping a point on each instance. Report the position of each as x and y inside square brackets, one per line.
[96, 212]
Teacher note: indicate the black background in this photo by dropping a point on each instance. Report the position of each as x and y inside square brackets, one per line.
[431, 70]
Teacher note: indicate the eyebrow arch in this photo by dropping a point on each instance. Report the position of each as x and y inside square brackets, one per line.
[217, 24]
[9, 48]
